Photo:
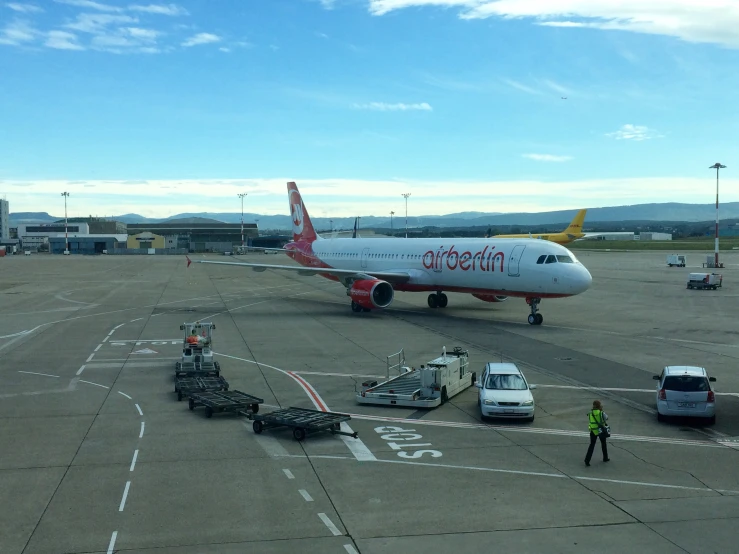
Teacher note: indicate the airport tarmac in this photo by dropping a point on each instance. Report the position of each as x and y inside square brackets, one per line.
[98, 456]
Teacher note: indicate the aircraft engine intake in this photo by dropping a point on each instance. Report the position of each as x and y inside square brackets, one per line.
[372, 293]
[491, 297]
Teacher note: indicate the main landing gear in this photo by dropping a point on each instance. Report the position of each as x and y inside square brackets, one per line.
[535, 318]
[438, 300]
[357, 308]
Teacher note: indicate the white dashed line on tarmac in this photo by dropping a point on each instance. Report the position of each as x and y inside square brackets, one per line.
[96, 384]
[141, 433]
[350, 549]
[90, 357]
[137, 319]
[139, 409]
[80, 370]
[124, 394]
[34, 373]
[329, 523]
[288, 473]
[111, 545]
[304, 494]
[98, 347]
[133, 462]
[125, 495]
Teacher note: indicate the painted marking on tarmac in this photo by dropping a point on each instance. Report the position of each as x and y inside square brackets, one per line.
[536, 474]
[271, 446]
[143, 425]
[98, 347]
[111, 544]
[338, 374]
[124, 394]
[34, 373]
[91, 383]
[133, 462]
[288, 473]
[305, 495]
[90, 357]
[139, 409]
[330, 524]
[137, 319]
[534, 430]
[350, 549]
[356, 446]
[80, 370]
[117, 327]
[125, 495]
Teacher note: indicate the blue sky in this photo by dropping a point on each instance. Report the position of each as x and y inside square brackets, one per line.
[161, 108]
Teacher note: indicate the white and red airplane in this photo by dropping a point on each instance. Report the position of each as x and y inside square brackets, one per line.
[372, 269]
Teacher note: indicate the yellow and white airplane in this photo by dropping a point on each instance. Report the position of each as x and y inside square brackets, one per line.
[572, 232]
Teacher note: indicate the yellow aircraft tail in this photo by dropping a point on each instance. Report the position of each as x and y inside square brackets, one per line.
[575, 227]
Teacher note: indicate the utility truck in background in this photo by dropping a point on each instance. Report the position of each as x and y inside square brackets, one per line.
[426, 387]
[678, 260]
[705, 281]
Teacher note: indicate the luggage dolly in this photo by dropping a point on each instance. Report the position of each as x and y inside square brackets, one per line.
[301, 420]
[185, 386]
[224, 401]
[195, 369]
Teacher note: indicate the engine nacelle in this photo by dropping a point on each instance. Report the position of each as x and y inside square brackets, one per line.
[372, 293]
[491, 297]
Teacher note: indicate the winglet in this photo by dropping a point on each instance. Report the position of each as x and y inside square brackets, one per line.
[188, 260]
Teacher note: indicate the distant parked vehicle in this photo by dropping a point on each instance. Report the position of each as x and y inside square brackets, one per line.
[705, 281]
[685, 391]
[676, 260]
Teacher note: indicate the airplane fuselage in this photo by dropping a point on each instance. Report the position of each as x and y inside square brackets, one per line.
[479, 266]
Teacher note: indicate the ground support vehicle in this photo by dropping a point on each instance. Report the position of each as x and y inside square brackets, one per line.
[427, 387]
[676, 260]
[185, 386]
[224, 401]
[301, 420]
[705, 281]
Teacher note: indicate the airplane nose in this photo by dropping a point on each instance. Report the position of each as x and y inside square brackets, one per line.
[582, 280]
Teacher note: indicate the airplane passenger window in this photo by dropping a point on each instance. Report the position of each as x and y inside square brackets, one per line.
[541, 259]
[551, 259]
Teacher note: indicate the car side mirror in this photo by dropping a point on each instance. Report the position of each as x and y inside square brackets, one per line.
[532, 387]
[655, 377]
[478, 385]
[712, 379]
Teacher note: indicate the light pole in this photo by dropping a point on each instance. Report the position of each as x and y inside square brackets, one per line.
[716, 166]
[66, 234]
[241, 195]
[406, 195]
[391, 220]
[331, 223]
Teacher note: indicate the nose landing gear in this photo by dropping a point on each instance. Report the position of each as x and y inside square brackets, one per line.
[535, 318]
[438, 300]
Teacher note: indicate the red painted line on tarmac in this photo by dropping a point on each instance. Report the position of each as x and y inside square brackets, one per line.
[309, 389]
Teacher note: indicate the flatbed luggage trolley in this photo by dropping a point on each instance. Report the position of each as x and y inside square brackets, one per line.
[225, 401]
[185, 386]
[302, 421]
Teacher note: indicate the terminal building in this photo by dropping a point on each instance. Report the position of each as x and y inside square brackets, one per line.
[198, 234]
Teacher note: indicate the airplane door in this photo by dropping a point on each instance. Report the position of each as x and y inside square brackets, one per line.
[514, 260]
[437, 261]
[365, 255]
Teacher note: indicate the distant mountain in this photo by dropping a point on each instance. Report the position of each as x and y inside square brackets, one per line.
[671, 211]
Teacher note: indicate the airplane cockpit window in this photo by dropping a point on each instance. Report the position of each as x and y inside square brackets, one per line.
[551, 259]
[541, 259]
[565, 259]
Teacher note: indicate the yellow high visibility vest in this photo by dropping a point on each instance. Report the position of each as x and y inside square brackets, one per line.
[595, 417]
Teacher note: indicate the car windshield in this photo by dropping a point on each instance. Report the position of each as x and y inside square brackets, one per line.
[686, 383]
[506, 382]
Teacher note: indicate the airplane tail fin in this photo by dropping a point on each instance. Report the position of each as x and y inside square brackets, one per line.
[575, 227]
[302, 226]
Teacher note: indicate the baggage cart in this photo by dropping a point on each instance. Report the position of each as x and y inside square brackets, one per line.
[185, 386]
[224, 401]
[302, 422]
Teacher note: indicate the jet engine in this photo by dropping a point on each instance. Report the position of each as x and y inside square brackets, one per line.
[491, 297]
[372, 293]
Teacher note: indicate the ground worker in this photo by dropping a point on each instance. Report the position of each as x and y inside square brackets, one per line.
[596, 422]
[193, 338]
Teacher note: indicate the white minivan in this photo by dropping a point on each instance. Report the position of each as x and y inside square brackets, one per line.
[685, 391]
[504, 392]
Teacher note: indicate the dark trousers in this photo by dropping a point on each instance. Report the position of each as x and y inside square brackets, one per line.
[603, 446]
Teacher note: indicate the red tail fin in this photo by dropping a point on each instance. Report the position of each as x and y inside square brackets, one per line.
[188, 260]
[302, 226]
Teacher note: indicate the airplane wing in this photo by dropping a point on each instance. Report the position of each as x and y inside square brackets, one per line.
[389, 276]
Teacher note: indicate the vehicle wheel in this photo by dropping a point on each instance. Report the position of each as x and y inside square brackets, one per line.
[191, 404]
[254, 408]
[660, 417]
[208, 411]
[531, 419]
[444, 396]
[356, 307]
[443, 300]
[299, 434]
[539, 319]
[257, 427]
[432, 301]
[532, 319]
[474, 378]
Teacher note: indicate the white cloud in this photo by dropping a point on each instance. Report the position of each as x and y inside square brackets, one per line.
[384, 107]
[321, 35]
[634, 132]
[98, 22]
[557, 87]
[224, 49]
[340, 197]
[17, 32]
[201, 38]
[714, 21]
[161, 9]
[25, 8]
[62, 40]
[146, 35]
[520, 86]
[91, 4]
[547, 157]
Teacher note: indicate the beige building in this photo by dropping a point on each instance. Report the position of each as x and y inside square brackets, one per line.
[145, 240]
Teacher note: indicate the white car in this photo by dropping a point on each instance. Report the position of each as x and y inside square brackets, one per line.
[685, 391]
[504, 392]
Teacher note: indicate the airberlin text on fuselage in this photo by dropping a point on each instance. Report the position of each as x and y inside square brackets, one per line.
[484, 260]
